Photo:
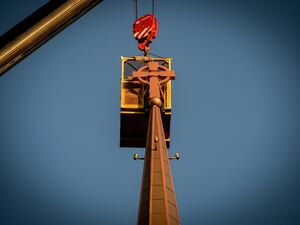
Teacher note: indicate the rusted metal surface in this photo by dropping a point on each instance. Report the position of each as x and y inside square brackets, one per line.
[157, 199]
[38, 28]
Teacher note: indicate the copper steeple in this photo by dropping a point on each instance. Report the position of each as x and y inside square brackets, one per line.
[157, 199]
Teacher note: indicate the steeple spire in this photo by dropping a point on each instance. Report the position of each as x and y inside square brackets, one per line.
[157, 200]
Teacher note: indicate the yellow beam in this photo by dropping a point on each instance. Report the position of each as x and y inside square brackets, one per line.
[19, 43]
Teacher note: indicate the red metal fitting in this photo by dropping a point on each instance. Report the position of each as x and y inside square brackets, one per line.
[145, 30]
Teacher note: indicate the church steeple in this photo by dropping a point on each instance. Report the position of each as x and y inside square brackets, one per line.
[157, 200]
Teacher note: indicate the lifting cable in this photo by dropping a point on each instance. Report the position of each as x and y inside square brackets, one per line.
[153, 7]
[135, 9]
[135, 3]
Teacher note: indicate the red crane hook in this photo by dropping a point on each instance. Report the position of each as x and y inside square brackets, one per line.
[145, 30]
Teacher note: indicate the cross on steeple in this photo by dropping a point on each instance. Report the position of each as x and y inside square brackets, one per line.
[157, 199]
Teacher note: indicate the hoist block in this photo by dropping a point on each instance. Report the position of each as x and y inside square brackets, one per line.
[145, 30]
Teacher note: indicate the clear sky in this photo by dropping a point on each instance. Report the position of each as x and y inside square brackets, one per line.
[235, 116]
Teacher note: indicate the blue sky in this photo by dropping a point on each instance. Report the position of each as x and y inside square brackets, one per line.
[235, 116]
